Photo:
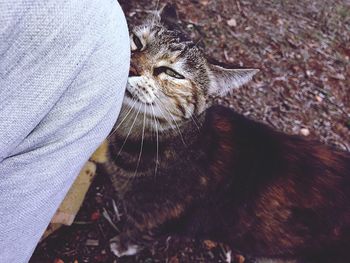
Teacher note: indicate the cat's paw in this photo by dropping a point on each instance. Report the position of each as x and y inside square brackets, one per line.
[121, 249]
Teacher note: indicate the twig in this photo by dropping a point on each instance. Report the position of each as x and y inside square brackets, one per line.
[115, 208]
[108, 218]
[82, 222]
[238, 6]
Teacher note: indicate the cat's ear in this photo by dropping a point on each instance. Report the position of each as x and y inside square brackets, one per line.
[224, 80]
[168, 14]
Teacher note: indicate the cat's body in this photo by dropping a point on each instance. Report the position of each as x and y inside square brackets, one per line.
[183, 167]
[265, 193]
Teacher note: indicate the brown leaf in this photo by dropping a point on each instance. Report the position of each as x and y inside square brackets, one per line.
[174, 259]
[239, 259]
[209, 244]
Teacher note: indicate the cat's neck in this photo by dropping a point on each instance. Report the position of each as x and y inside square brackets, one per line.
[185, 134]
[170, 147]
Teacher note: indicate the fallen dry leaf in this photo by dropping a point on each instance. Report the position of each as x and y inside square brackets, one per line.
[209, 244]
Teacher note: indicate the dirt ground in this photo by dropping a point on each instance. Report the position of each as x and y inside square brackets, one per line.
[302, 49]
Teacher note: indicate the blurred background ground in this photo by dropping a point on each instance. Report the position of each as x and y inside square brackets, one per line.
[303, 51]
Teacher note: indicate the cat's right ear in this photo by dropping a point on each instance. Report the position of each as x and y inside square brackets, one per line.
[167, 15]
[223, 80]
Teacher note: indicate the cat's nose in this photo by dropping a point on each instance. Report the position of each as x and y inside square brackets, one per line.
[133, 72]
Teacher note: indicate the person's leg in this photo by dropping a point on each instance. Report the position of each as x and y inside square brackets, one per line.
[63, 70]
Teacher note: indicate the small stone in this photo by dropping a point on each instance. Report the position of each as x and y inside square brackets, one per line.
[232, 22]
[229, 256]
[319, 98]
[270, 56]
[308, 73]
[339, 76]
[304, 132]
[295, 68]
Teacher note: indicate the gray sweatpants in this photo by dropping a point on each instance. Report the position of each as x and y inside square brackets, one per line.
[63, 70]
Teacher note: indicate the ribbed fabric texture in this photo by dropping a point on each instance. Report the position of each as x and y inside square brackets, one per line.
[63, 71]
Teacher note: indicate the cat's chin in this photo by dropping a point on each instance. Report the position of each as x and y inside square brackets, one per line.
[155, 119]
[137, 120]
[136, 104]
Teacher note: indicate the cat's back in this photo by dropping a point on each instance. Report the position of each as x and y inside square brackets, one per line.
[253, 153]
[271, 180]
[254, 141]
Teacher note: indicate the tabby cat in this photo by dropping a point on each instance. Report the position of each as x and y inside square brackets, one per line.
[182, 166]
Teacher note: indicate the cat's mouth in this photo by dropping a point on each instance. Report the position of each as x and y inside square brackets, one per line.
[139, 96]
[133, 71]
[129, 95]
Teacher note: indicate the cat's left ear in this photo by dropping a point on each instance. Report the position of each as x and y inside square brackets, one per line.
[224, 80]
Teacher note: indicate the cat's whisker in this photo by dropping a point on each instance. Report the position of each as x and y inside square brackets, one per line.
[176, 128]
[156, 124]
[125, 184]
[194, 121]
[160, 110]
[198, 41]
[127, 136]
[122, 121]
[176, 124]
[167, 119]
[142, 138]
[170, 124]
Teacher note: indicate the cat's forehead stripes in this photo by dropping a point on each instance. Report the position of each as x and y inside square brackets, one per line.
[157, 37]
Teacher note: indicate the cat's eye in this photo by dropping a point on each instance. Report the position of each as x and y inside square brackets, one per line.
[137, 43]
[170, 72]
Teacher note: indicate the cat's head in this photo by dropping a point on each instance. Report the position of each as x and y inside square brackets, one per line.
[170, 79]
